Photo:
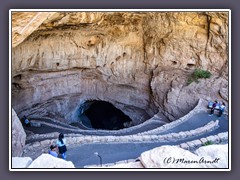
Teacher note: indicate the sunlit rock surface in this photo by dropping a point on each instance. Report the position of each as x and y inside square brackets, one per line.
[18, 136]
[48, 161]
[138, 61]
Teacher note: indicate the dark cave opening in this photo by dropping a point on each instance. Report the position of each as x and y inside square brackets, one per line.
[104, 115]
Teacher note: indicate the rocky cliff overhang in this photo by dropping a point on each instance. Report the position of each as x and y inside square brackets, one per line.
[138, 61]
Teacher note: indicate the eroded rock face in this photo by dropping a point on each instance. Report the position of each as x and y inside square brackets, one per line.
[138, 61]
[18, 136]
[24, 23]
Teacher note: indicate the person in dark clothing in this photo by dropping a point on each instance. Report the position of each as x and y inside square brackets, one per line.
[26, 121]
[61, 143]
[213, 108]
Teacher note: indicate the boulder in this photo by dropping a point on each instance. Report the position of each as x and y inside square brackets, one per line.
[21, 162]
[48, 161]
[169, 157]
[215, 156]
[18, 136]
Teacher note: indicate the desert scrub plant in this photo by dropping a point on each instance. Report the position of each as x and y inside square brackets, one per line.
[198, 74]
[207, 143]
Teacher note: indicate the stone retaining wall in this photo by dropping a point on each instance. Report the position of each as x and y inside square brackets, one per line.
[214, 139]
[201, 106]
[191, 145]
[74, 140]
[79, 131]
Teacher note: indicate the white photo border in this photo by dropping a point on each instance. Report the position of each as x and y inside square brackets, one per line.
[117, 10]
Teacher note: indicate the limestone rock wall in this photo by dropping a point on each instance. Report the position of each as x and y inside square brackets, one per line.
[24, 23]
[139, 61]
[179, 97]
[18, 136]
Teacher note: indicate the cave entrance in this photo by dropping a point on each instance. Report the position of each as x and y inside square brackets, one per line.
[104, 115]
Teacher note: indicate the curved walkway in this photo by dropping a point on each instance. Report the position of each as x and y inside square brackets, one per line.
[193, 122]
[48, 126]
[147, 141]
[190, 131]
[83, 155]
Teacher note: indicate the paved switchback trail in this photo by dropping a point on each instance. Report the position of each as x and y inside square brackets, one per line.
[83, 155]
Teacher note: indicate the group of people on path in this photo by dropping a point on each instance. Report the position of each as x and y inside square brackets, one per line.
[217, 106]
[59, 150]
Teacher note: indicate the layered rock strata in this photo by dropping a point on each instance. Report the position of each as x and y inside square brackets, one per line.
[138, 61]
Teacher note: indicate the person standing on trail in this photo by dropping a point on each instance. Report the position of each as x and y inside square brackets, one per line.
[61, 143]
[26, 121]
[213, 107]
[221, 109]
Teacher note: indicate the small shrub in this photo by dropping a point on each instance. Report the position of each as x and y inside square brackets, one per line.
[198, 74]
[207, 143]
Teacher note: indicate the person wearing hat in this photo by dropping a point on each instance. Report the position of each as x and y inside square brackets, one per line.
[53, 150]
